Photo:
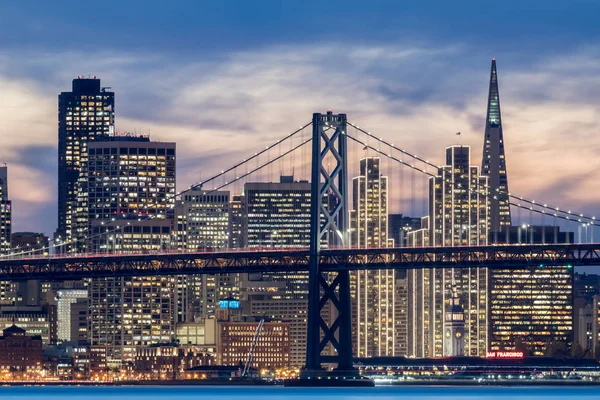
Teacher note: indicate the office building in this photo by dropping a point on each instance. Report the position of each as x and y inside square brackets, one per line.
[378, 297]
[72, 315]
[458, 216]
[85, 113]
[5, 213]
[276, 215]
[400, 226]
[20, 352]
[37, 321]
[203, 225]
[494, 159]
[131, 186]
[531, 307]
[237, 223]
[270, 351]
[8, 289]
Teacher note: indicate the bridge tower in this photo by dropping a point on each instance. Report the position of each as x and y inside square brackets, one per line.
[329, 227]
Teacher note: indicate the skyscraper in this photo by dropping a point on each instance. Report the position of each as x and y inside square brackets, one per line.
[203, 225]
[458, 209]
[5, 213]
[131, 186]
[278, 215]
[378, 297]
[8, 289]
[83, 114]
[494, 159]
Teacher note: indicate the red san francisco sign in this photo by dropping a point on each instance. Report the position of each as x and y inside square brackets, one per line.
[504, 354]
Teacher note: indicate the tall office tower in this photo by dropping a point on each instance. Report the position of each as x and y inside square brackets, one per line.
[376, 299]
[5, 213]
[203, 225]
[85, 113]
[458, 216]
[236, 222]
[494, 160]
[278, 215]
[458, 206]
[131, 186]
[8, 289]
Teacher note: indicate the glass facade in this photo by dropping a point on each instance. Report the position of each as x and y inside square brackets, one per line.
[83, 115]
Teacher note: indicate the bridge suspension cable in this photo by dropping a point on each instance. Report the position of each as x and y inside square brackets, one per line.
[555, 210]
[192, 187]
[452, 182]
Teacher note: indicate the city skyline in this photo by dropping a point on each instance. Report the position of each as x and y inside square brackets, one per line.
[417, 92]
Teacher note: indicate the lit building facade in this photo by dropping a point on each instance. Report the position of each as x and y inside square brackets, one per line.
[131, 186]
[278, 215]
[458, 216]
[531, 307]
[272, 349]
[8, 289]
[20, 352]
[85, 113]
[68, 318]
[203, 225]
[494, 159]
[378, 297]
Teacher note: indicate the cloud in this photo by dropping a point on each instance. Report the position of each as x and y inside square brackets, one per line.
[223, 109]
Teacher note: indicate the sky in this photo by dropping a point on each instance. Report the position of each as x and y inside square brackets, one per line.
[225, 78]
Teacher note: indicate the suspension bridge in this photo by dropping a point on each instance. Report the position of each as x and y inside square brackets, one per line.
[330, 256]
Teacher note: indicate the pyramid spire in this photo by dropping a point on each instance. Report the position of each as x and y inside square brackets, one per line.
[494, 160]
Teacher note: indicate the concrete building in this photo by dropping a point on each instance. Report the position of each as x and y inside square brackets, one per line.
[8, 290]
[131, 186]
[202, 218]
[84, 114]
[37, 321]
[20, 352]
[72, 315]
[378, 297]
[271, 350]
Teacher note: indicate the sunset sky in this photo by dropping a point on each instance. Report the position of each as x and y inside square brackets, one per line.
[225, 78]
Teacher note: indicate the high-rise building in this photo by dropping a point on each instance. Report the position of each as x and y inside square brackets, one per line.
[458, 209]
[85, 113]
[494, 159]
[378, 305]
[278, 215]
[400, 226]
[8, 289]
[203, 225]
[236, 222]
[131, 186]
[5, 212]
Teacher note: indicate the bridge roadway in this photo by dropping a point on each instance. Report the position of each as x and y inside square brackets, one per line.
[287, 260]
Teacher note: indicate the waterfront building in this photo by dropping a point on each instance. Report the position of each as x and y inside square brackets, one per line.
[531, 307]
[20, 352]
[131, 186]
[378, 297]
[236, 339]
[454, 332]
[37, 321]
[170, 360]
[494, 159]
[84, 114]
[458, 216]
